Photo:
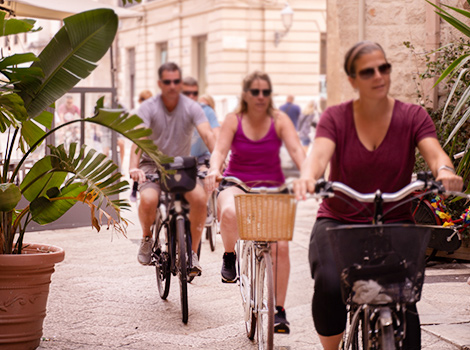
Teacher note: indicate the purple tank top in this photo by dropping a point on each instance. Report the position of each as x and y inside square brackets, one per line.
[256, 163]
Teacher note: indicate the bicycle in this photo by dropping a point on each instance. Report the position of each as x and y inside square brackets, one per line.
[171, 252]
[381, 266]
[432, 211]
[264, 216]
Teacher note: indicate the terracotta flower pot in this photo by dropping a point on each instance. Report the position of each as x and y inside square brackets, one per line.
[24, 288]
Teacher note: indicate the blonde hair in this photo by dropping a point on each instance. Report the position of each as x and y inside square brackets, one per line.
[208, 99]
[145, 94]
[310, 108]
[246, 84]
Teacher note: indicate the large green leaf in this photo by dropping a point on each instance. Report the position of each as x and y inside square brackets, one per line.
[45, 210]
[41, 177]
[10, 195]
[12, 111]
[131, 127]
[71, 55]
[92, 179]
[15, 26]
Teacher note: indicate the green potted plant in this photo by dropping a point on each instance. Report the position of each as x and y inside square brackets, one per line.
[62, 178]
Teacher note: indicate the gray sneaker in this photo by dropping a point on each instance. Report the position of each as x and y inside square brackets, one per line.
[145, 251]
[196, 268]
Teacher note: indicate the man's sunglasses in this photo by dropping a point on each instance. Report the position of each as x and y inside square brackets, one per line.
[368, 73]
[168, 81]
[189, 93]
[255, 92]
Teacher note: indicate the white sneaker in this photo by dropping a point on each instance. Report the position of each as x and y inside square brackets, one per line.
[145, 251]
[196, 268]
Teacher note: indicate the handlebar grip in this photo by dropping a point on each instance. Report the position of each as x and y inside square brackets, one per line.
[135, 187]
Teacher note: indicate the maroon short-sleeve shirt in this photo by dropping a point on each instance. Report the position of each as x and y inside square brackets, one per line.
[387, 168]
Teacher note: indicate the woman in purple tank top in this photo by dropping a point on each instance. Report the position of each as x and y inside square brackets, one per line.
[370, 143]
[254, 134]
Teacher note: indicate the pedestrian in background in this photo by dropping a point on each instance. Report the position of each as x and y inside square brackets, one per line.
[307, 123]
[198, 147]
[207, 100]
[291, 109]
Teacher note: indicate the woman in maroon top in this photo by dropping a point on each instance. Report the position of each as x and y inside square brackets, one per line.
[370, 144]
[254, 134]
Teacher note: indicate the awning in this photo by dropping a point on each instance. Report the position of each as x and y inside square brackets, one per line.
[59, 9]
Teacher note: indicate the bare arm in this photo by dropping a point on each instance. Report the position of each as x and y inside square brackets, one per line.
[207, 135]
[314, 166]
[435, 158]
[224, 142]
[134, 172]
[286, 131]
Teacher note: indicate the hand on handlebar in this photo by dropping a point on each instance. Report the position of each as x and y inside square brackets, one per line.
[137, 174]
[303, 186]
[211, 180]
[450, 181]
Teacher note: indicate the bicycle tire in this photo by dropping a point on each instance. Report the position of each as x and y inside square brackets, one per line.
[386, 332]
[423, 213]
[246, 283]
[182, 267]
[265, 302]
[162, 259]
[211, 231]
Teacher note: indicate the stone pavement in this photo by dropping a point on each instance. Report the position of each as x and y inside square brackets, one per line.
[101, 298]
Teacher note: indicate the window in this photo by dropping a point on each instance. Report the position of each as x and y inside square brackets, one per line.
[161, 54]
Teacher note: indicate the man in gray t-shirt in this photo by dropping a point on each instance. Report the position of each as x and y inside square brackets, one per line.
[172, 118]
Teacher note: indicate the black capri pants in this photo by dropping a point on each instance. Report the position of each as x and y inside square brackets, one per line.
[328, 309]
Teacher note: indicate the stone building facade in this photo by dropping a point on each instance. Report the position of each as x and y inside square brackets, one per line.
[390, 23]
[219, 42]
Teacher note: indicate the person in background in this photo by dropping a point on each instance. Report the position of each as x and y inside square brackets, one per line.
[291, 109]
[198, 148]
[66, 112]
[254, 134]
[207, 100]
[307, 123]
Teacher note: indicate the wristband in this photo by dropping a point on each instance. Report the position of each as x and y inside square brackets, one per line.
[446, 167]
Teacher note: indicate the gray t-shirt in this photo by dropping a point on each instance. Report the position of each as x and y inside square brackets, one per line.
[172, 131]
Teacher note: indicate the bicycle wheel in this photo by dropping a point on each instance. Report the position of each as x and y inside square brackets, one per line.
[386, 332]
[264, 296]
[246, 282]
[162, 258]
[423, 213]
[356, 336]
[211, 231]
[182, 267]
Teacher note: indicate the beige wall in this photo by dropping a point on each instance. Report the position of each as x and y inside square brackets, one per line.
[240, 39]
[390, 23]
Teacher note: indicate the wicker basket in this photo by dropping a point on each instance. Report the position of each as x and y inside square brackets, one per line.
[265, 217]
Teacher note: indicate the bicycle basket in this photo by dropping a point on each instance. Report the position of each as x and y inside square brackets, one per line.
[185, 175]
[380, 264]
[265, 217]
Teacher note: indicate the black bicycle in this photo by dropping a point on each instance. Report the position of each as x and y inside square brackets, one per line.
[172, 253]
[381, 266]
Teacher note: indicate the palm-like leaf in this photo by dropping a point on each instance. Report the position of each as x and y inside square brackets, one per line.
[92, 179]
[71, 55]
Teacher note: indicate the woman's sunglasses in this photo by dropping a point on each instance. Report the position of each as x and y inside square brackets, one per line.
[368, 73]
[168, 81]
[255, 92]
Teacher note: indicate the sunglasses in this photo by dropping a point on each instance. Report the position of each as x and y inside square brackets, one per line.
[168, 81]
[255, 92]
[189, 93]
[368, 73]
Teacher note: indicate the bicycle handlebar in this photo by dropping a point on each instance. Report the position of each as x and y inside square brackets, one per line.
[325, 189]
[261, 189]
